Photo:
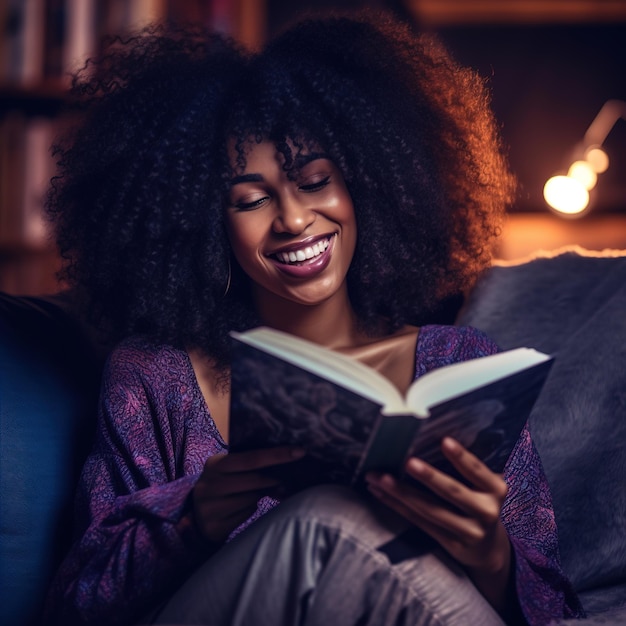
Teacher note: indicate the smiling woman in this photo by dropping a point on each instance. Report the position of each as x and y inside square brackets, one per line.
[338, 185]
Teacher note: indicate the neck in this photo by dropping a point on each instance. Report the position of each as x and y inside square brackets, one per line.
[332, 323]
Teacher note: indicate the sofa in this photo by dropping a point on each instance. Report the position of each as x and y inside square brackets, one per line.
[571, 303]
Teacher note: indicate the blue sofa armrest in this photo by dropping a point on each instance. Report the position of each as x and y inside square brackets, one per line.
[49, 379]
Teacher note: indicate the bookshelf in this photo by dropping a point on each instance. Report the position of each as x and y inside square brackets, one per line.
[41, 42]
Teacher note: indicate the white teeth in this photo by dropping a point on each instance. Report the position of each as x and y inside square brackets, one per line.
[303, 254]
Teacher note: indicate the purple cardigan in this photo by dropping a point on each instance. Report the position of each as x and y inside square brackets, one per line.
[136, 540]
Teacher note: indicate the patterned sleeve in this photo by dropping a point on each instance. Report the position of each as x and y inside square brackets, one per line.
[136, 535]
[543, 591]
[445, 345]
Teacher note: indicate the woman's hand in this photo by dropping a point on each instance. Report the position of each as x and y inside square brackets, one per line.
[464, 520]
[230, 486]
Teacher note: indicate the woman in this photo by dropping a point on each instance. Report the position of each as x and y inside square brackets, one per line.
[339, 186]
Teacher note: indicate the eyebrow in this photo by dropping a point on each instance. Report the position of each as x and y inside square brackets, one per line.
[299, 162]
[246, 178]
[304, 159]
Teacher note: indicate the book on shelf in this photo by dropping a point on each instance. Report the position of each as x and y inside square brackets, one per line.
[12, 155]
[21, 41]
[43, 40]
[38, 169]
[26, 167]
[350, 419]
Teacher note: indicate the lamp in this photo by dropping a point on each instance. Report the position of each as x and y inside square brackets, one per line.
[569, 194]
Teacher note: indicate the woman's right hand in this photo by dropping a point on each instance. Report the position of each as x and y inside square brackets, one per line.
[230, 486]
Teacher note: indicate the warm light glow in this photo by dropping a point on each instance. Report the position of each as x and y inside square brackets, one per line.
[597, 159]
[570, 194]
[566, 195]
[584, 173]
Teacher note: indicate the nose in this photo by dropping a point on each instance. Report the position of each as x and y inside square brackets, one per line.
[292, 216]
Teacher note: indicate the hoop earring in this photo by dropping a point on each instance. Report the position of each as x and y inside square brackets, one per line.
[228, 281]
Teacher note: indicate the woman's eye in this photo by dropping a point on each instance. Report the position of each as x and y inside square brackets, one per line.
[249, 206]
[315, 186]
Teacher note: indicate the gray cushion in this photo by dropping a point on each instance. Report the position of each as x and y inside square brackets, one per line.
[573, 304]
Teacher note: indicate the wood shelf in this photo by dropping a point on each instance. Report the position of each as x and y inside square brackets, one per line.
[47, 98]
[19, 249]
[448, 12]
[29, 271]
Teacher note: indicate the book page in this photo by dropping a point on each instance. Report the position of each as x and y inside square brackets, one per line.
[457, 379]
[339, 368]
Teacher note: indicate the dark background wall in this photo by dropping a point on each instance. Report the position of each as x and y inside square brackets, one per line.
[548, 83]
[549, 78]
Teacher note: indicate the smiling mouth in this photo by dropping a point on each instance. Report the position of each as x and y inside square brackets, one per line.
[304, 254]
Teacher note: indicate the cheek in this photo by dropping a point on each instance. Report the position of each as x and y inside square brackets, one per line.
[245, 242]
[338, 206]
[345, 215]
[243, 236]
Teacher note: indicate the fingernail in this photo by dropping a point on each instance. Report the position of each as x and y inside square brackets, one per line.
[386, 480]
[450, 444]
[379, 479]
[415, 465]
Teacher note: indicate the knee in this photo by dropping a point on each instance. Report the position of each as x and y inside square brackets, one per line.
[344, 509]
[324, 499]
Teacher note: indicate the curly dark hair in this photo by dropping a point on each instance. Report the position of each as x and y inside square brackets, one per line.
[139, 201]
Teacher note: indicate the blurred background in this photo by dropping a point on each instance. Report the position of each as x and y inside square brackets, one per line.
[552, 66]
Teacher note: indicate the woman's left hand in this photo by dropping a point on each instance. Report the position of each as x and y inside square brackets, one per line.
[464, 520]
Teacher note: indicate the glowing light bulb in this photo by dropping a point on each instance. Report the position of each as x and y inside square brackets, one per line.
[597, 159]
[566, 195]
[583, 172]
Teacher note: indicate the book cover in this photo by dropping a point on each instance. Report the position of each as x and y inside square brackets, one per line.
[276, 402]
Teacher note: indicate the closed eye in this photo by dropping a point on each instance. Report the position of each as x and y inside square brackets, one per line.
[315, 186]
[249, 206]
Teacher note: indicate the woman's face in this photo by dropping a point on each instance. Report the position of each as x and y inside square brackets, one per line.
[294, 238]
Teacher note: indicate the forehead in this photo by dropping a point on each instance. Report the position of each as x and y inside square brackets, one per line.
[252, 154]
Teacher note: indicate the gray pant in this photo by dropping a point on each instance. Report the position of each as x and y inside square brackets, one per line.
[329, 557]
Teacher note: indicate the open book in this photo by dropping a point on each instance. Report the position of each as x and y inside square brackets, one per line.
[351, 419]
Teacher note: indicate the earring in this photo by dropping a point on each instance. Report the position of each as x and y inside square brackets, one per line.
[228, 281]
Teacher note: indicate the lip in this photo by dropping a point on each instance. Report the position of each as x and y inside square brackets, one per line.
[308, 268]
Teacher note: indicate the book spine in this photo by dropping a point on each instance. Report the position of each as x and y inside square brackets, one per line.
[54, 38]
[80, 27]
[12, 132]
[144, 12]
[38, 169]
[21, 44]
[26, 167]
[32, 41]
[389, 444]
